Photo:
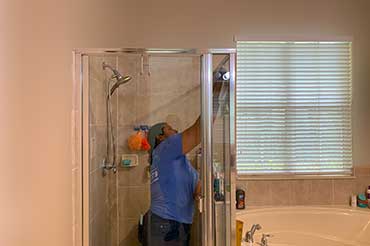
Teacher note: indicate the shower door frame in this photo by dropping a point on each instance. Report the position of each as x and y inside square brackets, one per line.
[80, 139]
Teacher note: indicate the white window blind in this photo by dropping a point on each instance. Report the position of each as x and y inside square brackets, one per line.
[293, 108]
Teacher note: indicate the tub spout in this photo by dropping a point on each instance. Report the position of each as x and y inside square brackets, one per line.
[250, 234]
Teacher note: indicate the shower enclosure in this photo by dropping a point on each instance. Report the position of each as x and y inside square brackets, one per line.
[121, 92]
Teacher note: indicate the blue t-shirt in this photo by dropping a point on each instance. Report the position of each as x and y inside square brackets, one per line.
[173, 181]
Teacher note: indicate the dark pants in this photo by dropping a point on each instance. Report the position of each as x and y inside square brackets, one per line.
[159, 231]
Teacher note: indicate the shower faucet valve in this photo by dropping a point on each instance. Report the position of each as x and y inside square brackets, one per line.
[106, 167]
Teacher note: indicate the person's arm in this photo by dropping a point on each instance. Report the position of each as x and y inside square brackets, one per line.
[191, 136]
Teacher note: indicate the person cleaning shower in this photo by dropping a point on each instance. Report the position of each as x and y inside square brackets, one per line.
[175, 183]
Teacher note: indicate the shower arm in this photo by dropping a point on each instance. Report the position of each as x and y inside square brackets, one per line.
[116, 74]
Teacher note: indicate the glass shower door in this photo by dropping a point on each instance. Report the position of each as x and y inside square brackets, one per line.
[222, 139]
[220, 142]
[174, 86]
[164, 87]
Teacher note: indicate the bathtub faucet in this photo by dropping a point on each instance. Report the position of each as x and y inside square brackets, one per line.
[249, 235]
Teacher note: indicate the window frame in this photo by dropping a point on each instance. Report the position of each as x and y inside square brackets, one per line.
[295, 176]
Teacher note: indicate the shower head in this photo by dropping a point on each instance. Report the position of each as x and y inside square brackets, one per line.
[119, 82]
[116, 75]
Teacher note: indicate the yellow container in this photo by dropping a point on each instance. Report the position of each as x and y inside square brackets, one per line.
[239, 232]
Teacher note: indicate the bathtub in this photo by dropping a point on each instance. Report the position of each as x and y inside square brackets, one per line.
[309, 226]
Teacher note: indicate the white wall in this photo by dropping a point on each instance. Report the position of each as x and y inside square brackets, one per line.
[36, 42]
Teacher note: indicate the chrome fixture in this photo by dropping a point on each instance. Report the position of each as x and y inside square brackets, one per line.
[221, 74]
[249, 235]
[116, 74]
[108, 166]
[226, 76]
[264, 239]
[119, 80]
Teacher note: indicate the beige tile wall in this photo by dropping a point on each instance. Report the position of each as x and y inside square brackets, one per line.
[305, 192]
[162, 89]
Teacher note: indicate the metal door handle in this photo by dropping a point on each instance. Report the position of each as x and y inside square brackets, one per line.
[200, 204]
